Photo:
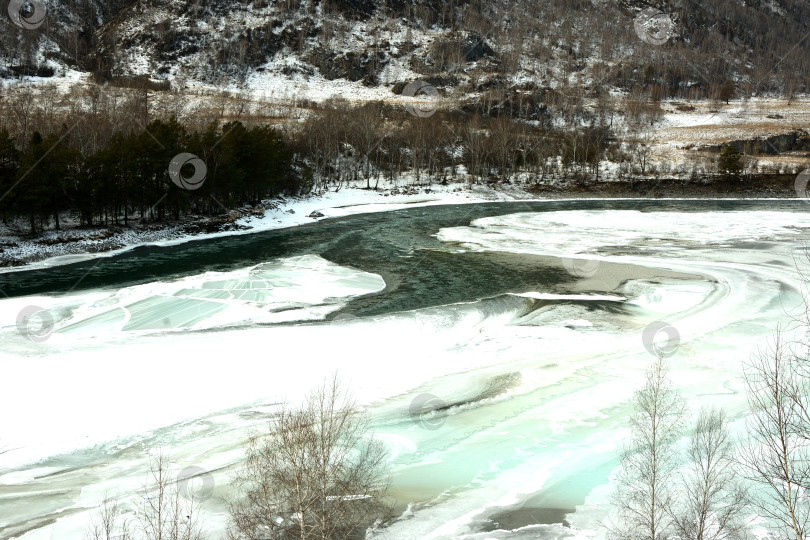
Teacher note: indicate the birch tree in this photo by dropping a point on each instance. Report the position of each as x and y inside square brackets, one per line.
[316, 474]
[777, 456]
[645, 491]
[163, 514]
[161, 511]
[109, 523]
[713, 498]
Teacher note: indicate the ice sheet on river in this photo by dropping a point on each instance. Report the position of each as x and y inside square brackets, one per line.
[615, 232]
[293, 289]
[571, 363]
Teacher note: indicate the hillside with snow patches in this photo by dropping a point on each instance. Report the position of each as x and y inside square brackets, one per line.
[461, 47]
[672, 83]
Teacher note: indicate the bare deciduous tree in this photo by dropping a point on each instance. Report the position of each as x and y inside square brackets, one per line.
[645, 494]
[504, 139]
[109, 524]
[366, 133]
[163, 513]
[317, 474]
[22, 108]
[713, 498]
[475, 143]
[322, 135]
[778, 456]
[425, 139]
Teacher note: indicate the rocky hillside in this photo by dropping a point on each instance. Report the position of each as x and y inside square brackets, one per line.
[45, 38]
[460, 46]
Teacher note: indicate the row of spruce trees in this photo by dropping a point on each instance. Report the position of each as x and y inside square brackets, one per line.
[128, 178]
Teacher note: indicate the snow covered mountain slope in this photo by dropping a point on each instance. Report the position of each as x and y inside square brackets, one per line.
[462, 45]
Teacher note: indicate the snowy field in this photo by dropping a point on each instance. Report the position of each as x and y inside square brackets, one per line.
[676, 138]
[539, 381]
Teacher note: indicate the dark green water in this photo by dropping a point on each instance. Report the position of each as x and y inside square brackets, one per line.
[399, 245]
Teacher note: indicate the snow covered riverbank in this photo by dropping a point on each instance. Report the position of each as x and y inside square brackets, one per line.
[73, 245]
[19, 251]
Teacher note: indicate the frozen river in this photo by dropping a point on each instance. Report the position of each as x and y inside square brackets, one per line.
[528, 325]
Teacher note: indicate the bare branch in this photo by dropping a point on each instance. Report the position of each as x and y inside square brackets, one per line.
[316, 474]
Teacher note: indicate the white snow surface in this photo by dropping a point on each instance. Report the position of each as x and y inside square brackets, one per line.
[557, 426]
